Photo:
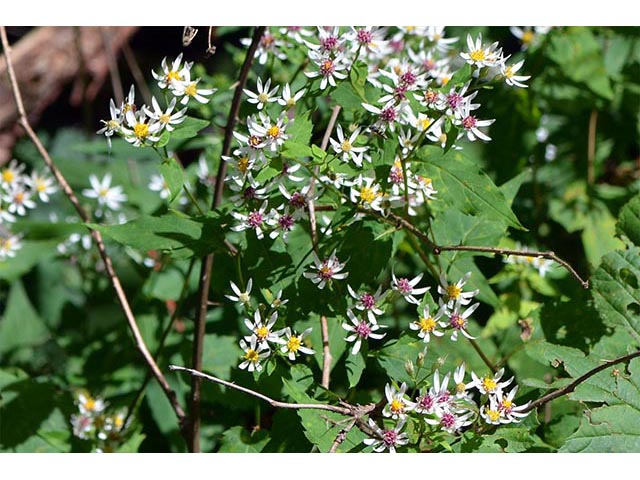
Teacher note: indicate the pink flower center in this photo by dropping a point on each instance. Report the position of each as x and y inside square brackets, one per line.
[469, 122]
[255, 219]
[457, 321]
[444, 397]
[404, 286]
[408, 78]
[399, 92]
[327, 67]
[426, 402]
[389, 437]
[388, 114]
[363, 330]
[329, 43]
[368, 301]
[286, 222]
[454, 100]
[297, 200]
[395, 175]
[326, 271]
[448, 420]
[249, 193]
[364, 37]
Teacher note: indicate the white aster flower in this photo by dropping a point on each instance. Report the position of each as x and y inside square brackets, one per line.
[113, 125]
[166, 118]
[170, 77]
[480, 56]
[264, 95]
[241, 297]
[327, 270]
[289, 99]
[511, 413]
[109, 196]
[139, 129]
[387, 439]
[361, 330]
[490, 384]
[89, 405]
[19, 199]
[406, 288]
[261, 330]
[345, 146]
[11, 174]
[42, 185]
[329, 69]
[367, 302]
[510, 77]
[366, 192]
[452, 422]
[157, 183]
[255, 220]
[253, 354]
[462, 387]
[427, 325]
[452, 292]
[457, 320]
[9, 244]
[188, 90]
[397, 405]
[293, 345]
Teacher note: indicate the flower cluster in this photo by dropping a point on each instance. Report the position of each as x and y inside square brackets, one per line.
[447, 409]
[18, 194]
[264, 338]
[143, 126]
[105, 431]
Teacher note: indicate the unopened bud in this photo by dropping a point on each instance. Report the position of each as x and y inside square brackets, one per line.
[420, 360]
[408, 366]
[439, 362]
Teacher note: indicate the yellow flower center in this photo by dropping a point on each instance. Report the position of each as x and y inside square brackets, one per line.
[19, 197]
[7, 175]
[103, 192]
[6, 244]
[274, 132]
[493, 415]
[164, 118]
[346, 146]
[445, 80]
[40, 185]
[367, 195]
[507, 404]
[262, 332]
[489, 384]
[426, 180]
[527, 37]
[173, 75]
[427, 324]
[243, 164]
[461, 387]
[293, 344]
[141, 130]
[410, 29]
[453, 291]
[191, 90]
[252, 355]
[113, 124]
[397, 406]
[477, 55]
[397, 70]
[291, 102]
[90, 404]
[424, 123]
[118, 422]
[263, 98]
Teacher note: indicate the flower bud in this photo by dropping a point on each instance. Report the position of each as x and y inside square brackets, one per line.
[408, 366]
[420, 360]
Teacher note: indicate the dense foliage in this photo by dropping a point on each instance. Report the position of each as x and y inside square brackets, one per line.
[361, 156]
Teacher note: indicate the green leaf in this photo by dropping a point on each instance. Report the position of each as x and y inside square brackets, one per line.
[629, 220]
[358, 77]
[616, 291]
[173, 174]
[179, 235]
[21, 326]
[345, 96]
[221, 354]
[598, 234]
[238, 440]
[31, 253]
[460, 183]
[189, 128]
[612, 428]
[299, 130]
[394, 355]
[355, 365]
[510, 188]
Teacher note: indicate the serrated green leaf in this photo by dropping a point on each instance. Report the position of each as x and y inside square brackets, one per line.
[345, 96]
[629, 220]
[239, 440]
[189, 128]
[173, 174]
[616, 291]
[179, 235]
[395, 353]
[460, 183]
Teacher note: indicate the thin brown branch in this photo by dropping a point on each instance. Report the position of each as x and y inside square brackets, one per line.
[326, 352]
[113, 277]
[134, 67]
[572, 386]
[591, 147]
[207, 262]
[274, 403]
[114, 72]
[518, 253]
[341, 437]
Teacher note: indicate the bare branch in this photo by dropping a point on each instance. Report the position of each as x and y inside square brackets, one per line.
[572, 386]
[274, 403]
[113, 277]
[326, 352]
[207, 262]
[342, 435]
